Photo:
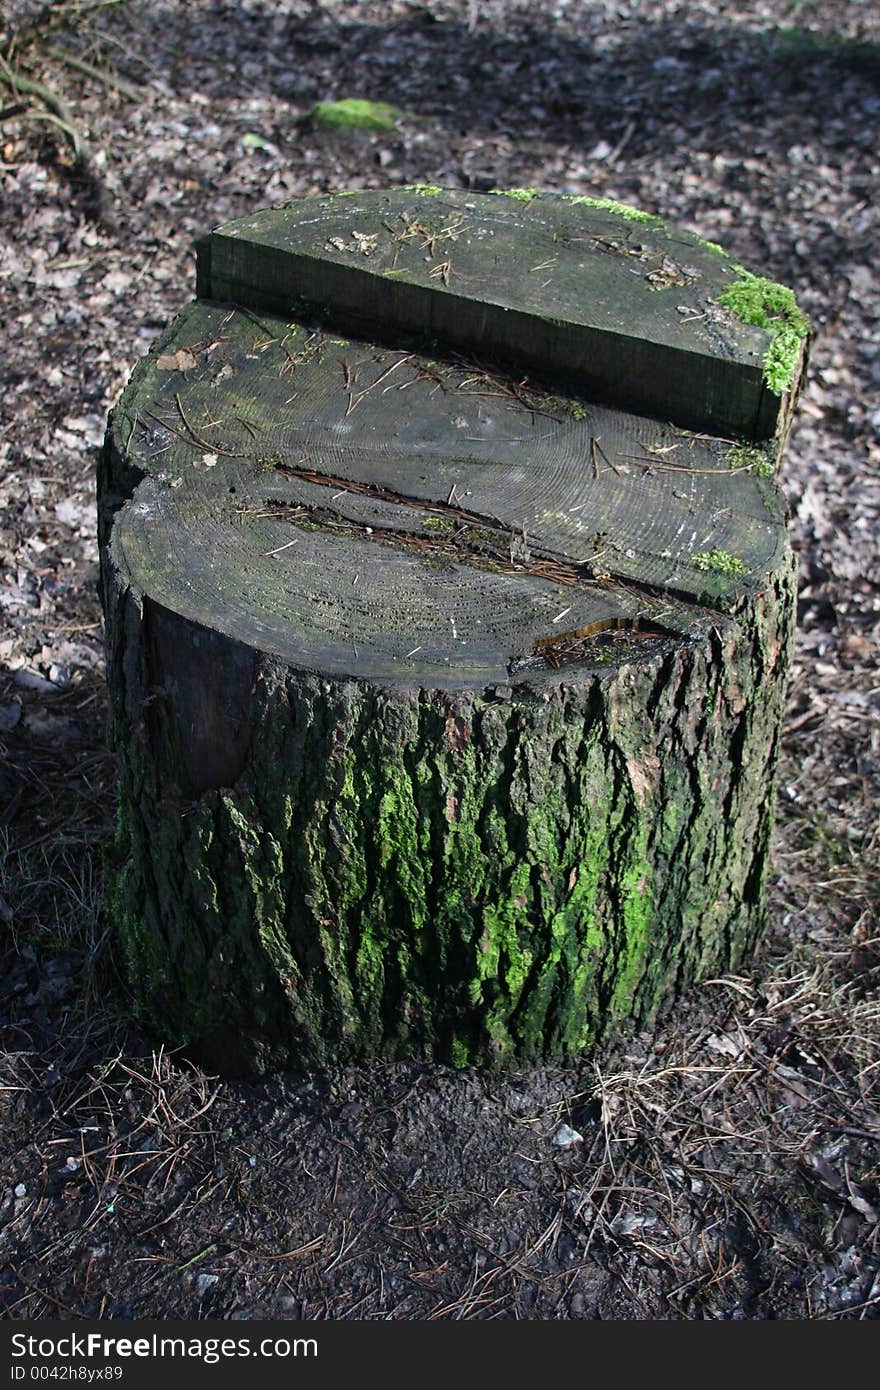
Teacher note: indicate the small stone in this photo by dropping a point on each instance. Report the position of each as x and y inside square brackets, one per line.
[628, 1223]
[205, 1282]
[20, 1190]
[565, 1137]
[10, 716]
[29, 680]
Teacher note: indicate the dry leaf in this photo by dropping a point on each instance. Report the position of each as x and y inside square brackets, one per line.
[844, 1188]
[180, 361]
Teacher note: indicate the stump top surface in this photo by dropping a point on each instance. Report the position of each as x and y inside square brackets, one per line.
[361, 510]
[622, 306]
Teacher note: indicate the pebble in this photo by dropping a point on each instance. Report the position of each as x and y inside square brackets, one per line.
[10, 716]
[565, 1137]
[629, 1223]
[29, 680]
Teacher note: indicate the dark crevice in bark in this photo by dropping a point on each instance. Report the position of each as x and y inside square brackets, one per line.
[738, 742]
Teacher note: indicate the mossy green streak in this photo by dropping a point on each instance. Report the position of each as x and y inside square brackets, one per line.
[625, 210]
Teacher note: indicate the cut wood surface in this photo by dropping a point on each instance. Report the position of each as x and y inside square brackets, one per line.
[446, 701]
[611, 299]
[360, 510]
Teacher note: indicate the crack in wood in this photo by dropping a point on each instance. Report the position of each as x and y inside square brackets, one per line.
[553, 651]
[383, 494]
[571, 573]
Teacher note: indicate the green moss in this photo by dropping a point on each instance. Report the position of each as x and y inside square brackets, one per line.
[263, 872]
[500, 949]
[143, 960]
[480, 535]
[438, 523]
[773, 307]
[718, 562]
[398, 836]
[637, 914]
[162, 992]
[710, 245]
[425, 190]
[578, 938]
[353, 113]
[565, 405]
[748, 456]
[611, 205]
[522, 195]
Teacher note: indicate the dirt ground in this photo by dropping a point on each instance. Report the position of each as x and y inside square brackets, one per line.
[724, 1165]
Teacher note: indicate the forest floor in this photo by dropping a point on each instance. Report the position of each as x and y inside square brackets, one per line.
[726, 1163]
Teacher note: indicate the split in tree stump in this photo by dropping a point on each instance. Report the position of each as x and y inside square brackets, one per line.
[449, 606]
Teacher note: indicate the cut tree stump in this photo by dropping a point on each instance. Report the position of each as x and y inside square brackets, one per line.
[449, 605]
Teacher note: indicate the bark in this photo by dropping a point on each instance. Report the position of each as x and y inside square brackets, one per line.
[462, 876]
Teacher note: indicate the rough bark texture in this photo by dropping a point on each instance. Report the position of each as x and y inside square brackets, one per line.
[509, 872]
[446, 709]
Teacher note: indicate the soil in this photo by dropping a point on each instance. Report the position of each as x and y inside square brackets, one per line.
[723, 1165]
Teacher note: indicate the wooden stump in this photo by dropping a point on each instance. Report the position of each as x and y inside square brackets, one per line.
[446, 691]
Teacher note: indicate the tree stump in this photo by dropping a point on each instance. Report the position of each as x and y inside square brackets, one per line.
[448, 603]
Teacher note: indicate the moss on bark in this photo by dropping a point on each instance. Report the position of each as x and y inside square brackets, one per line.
[466, 877]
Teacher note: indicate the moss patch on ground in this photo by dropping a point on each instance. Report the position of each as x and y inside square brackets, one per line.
[565, 405]
[353, 113]
[749, 456]
[710, 245]
[523, 195]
